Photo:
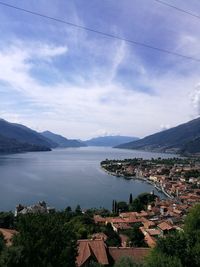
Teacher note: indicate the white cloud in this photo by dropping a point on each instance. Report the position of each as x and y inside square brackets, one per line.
[96, 105]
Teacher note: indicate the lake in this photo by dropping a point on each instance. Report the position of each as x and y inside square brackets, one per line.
[66, 177]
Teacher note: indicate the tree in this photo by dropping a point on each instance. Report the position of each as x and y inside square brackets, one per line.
[122, 206]
[127, 262]
[136, 237]
[136, 205]
[43, 240]
[6, 219]
[113, 238]
[181, 248]
[162, 260]
[130, 199]
[78, 209]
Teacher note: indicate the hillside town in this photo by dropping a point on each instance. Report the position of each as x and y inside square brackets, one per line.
[178, 179]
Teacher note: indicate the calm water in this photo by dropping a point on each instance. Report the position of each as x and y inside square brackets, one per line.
[66, 177]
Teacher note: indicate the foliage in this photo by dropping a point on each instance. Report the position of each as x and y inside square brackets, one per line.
[135, 236]
[44, 240]
[122, 206]
[6, 219]
[113, 238]
[82, 225]
[162, 260]
[2, 243]
[181, 248]
[127, 262]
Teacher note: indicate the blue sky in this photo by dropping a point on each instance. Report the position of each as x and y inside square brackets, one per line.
[81, 84]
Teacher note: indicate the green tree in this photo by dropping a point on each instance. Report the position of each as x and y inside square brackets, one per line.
[43, 240]
[135, 236]
[113, 238]
[78, 209]
[162, 260]
[127, 262]
[130, 199]
[2, 243]
[122, 206]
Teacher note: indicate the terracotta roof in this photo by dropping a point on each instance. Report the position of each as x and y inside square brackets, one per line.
[153, 232]
[148, 224]
[8, 235]
[114, 220]
[165, 226]
[138, 254]
[122, 226]
[150, 240]
[99, 219]
[91, 248]
[128, 214]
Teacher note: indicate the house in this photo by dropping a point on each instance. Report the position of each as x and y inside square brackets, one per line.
[91, 251]
[137, 254]
[97, 251]
[165, 227]
[8, 235]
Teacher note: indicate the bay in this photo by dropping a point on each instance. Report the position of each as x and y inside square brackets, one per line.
[67, 177]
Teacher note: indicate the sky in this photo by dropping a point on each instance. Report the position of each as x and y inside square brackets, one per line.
[80, 84]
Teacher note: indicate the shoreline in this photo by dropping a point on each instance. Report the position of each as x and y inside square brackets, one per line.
[159, 189]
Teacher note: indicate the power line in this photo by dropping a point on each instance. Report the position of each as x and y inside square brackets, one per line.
[178, 9]
[132, 42]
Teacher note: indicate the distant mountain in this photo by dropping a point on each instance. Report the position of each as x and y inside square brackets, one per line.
[8, 145]
[109, 141]
[23, 134]
[184, 138]
[19, 138]
[62, 141]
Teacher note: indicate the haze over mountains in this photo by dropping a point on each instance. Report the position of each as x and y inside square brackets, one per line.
[109, 141]
[184, 138]
[62, 141]
[16, 138]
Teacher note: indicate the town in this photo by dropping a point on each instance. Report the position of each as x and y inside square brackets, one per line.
[177, 178]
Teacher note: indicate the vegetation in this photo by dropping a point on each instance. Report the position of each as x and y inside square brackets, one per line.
[135, 236]
[127, 262]
[138, 204]
[182, 249]
[6, 220]
[49, 240]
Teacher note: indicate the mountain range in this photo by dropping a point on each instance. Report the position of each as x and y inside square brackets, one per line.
[184, 139]
[16, 138]
[62, 141]
[109, 141]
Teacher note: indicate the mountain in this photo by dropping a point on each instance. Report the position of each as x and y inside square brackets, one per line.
[19, 138]
[184, 138]
[23, 134]
[62, 141]
[8, 145]
[109, 141]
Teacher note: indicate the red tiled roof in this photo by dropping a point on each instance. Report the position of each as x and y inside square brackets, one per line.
[153, 231]
[148, 224]
[150, 240]
[122, 226]
[165, 226]
[138, 254]
[91, 248]
[99, 219]
[8, 235]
